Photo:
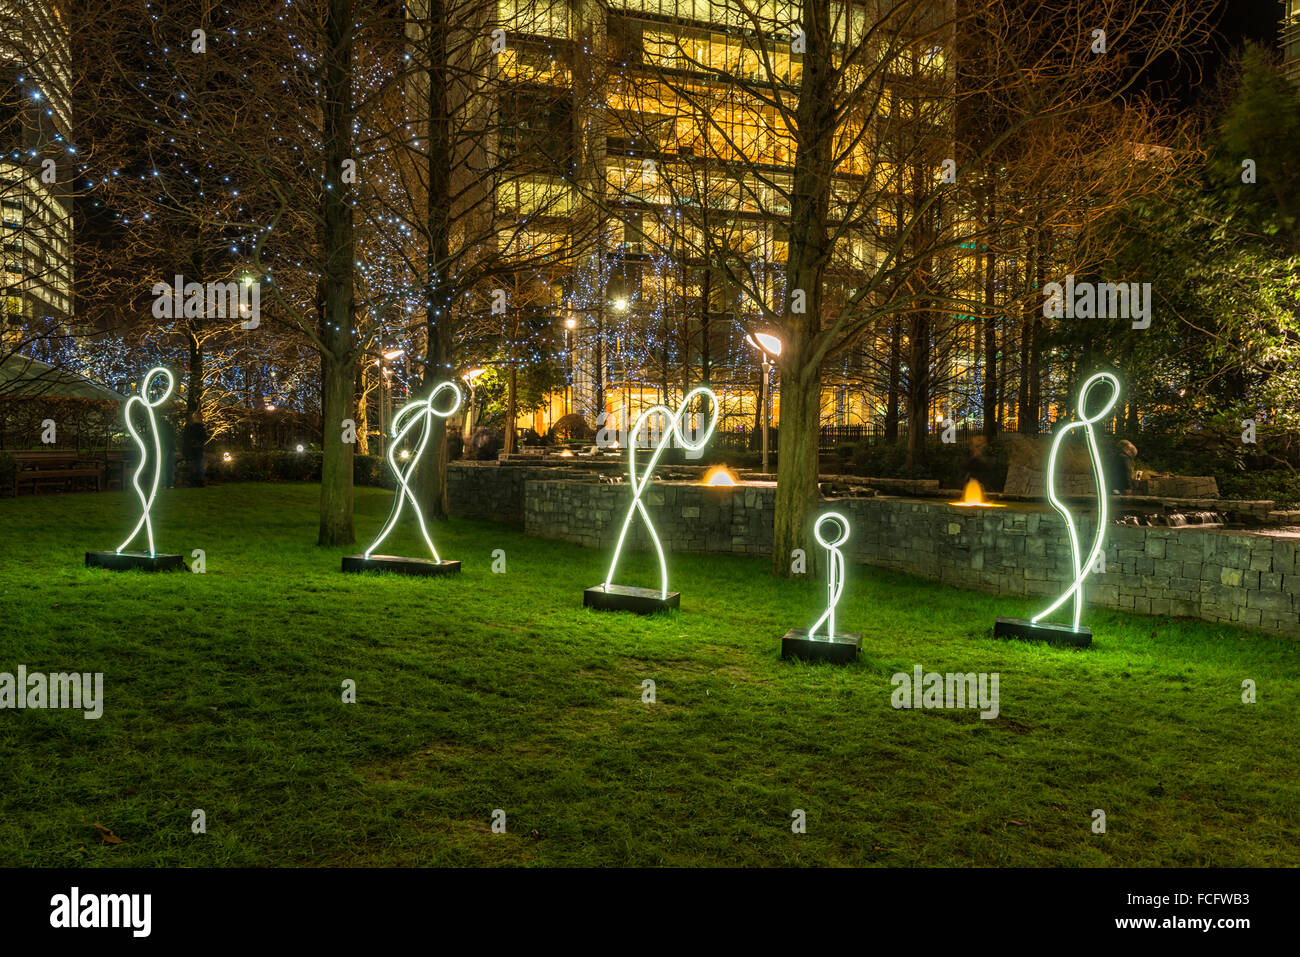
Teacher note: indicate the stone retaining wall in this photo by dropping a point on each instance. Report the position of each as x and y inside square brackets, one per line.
[1214, 574]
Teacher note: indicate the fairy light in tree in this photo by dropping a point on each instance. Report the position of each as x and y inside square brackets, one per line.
[419, 413]
[146, 502]
[1081, 564]
[608, 595]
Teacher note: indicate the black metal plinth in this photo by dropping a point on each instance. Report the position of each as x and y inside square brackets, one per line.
[399, 565]
[840, 649]
[125, 561]
[1042, 631]
[643, 601]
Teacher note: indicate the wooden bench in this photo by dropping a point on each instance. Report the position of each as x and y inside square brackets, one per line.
[48, 466]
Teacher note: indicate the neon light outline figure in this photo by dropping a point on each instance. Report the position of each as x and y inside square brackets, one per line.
[1081, 569]
[674, 429]
[419, 412]
[834, 573]
[147, 503]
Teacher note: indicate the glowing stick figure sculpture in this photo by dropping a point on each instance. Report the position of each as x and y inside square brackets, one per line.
[1082, 566]
[146, 502]
[834, 571]
[695, 443]
[419, 413]
[839, 647]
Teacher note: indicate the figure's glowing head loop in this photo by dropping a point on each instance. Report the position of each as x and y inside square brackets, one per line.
[700, 441]
[142, 399]
[676, 430]
[1087, 388]
[420, 412]
[832, 518]
[147, 385]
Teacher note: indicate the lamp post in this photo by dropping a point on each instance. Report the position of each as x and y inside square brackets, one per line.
[385, 393]
[570, 325]
[769, 346]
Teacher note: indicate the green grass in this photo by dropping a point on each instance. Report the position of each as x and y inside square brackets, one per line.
[223, 692]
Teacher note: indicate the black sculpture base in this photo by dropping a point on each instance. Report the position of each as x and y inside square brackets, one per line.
[840, 649]
[124, 561]
[1042, 631]
[398, 565]
[643, 601]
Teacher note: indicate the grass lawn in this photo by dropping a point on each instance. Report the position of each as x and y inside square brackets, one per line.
[223, 692]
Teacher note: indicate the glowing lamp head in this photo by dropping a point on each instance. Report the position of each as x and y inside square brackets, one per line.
[225, 457]
[406, 454]
[571, 323]
[620, 305]
[300, 448]
[766, 343]
[472, 375]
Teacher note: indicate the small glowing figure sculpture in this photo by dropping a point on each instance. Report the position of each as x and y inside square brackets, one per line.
[836, 646]
[120, 558]
[417, 414]
[834, 570]
[608, 596]
[1082, 565]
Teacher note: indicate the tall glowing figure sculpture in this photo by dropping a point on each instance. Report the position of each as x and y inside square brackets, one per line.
[610, 597]
[150, 468]
[414, 415]
[837, 646]
[1082, 564]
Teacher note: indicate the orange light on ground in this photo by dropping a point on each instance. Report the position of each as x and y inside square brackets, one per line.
[719, 475]
[567, 454]
[973, 497]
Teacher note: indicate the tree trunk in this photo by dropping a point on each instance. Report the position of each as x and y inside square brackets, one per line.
[336, 459]
[512, 407]
[918, 389]
[704, 328]
[194, 390]
[338, 240]
[363, 410]
[895, 380]
[990, 397]
[431, 480]
[796, 468]
[816, 120]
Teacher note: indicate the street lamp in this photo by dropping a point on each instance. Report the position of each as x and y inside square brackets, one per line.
[570, 325]
[385, 392]
[770, 347]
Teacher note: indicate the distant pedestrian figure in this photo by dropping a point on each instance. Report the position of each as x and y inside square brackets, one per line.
[194, 438]
[1121, 467]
